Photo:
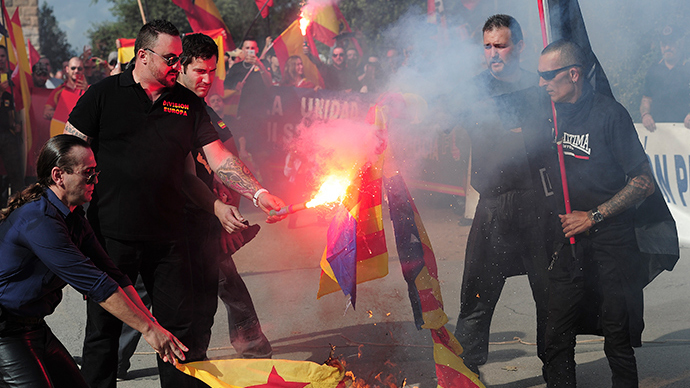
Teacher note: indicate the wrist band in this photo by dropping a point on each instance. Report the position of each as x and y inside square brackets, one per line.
[255, 198]
[643, 114]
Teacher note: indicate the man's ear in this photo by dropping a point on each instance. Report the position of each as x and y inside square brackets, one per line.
[575, 74]
[520, 46]
[57, 175]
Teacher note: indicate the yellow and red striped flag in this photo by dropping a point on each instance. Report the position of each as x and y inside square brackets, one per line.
[203, 15]
[22, 70]
[125, 50]
[356, 244]
[290, 43]
[240, 373]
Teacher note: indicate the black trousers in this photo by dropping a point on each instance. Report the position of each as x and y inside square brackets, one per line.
[164, 269]
[31, 356]
[599, 269]
[504, 240]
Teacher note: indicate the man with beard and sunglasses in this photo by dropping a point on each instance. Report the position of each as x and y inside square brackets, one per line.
[142, 124]
[504, 240]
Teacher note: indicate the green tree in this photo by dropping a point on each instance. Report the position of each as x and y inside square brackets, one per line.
[52, 40]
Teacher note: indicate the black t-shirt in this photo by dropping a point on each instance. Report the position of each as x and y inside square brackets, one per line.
[140, 147]
[203, 170]
[6, 112]
[254, 98]
[669, 91]
[499, 163]
[601, 148]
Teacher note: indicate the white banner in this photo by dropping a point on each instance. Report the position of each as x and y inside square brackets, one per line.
[668, 149]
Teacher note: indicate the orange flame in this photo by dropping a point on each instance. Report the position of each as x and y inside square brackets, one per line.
[304, 22]
[332, 190]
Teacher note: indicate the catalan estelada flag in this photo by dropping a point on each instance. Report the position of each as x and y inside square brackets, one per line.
[267, 373]
[363, 225]
[203, 15]
[290, 43]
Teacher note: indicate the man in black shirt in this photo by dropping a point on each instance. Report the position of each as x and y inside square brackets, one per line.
[666, 95]
[11, 142]
[504, 239]
[142, 125]
[608, 174]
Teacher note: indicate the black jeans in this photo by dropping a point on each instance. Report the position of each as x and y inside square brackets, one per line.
[598, 269]
[164, 268]
[504, 241]
[33, 357]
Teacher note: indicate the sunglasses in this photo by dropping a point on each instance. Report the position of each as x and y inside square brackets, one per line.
[338, 55]
[90, 174]
[168, 61]
[551, 74]
[77, 68]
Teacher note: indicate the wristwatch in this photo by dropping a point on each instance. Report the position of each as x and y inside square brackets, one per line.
[595, 216]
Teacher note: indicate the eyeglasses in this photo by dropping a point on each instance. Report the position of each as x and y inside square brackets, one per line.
[90, 174]
[551, 74]
[78, 68]
[168, 61]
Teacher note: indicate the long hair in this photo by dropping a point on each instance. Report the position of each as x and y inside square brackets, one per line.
[54, 153]
[290, 78]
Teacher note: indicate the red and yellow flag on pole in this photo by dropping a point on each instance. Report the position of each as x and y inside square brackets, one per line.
[263, 6]
[290, 43]
[203, 15]
[125, 50]
[22, 70]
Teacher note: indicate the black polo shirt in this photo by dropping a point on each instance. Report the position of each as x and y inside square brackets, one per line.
[669, 90]
[140, 147]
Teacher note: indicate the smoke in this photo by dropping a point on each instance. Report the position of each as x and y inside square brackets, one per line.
[336, 147]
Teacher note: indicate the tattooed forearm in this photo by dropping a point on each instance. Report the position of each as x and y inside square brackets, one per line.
[235, 175]
[637, 189]
[71, 130]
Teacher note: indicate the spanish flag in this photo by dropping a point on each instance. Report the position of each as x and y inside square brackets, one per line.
[125, 50]
[290, 43]
[239, 373]
[203, 15]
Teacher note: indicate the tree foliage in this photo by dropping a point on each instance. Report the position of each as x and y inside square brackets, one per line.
[52, 40]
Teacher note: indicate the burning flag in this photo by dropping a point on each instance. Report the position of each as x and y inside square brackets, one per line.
[356, 245]
[256, 373]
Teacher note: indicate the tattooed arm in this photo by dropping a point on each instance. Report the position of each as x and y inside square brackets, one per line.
[71, 130]
[638, 188]
[235, 175]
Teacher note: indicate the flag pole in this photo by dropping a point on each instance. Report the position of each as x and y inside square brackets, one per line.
[546, 36]
[254, 21]
[141, 10]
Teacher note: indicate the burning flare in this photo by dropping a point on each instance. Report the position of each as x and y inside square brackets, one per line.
[304, 20]
[332, 190]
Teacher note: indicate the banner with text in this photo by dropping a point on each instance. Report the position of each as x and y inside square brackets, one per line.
[668, 149]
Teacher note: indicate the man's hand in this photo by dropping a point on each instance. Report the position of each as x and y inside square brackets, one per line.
[575, 223]
[649, 123]
[4, 85]
[231, 242]
[168, 347]
[687, 121]
[268, 202]
[229, 216]
[81, 82]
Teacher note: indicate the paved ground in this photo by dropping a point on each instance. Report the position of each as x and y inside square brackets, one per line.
[281, 270]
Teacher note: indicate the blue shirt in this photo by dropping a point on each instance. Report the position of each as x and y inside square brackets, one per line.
[44, 247]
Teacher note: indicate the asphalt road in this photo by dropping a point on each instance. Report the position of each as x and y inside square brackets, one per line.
[281, 270]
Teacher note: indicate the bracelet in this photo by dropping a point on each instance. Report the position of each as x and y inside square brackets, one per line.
[645, 113]
[255, 198]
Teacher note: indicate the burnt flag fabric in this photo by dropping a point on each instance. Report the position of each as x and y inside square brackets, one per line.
[363, 204]
[416, 256]
[255, 373]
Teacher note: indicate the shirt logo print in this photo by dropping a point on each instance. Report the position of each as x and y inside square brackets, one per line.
[574, 143]
[176, 108]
